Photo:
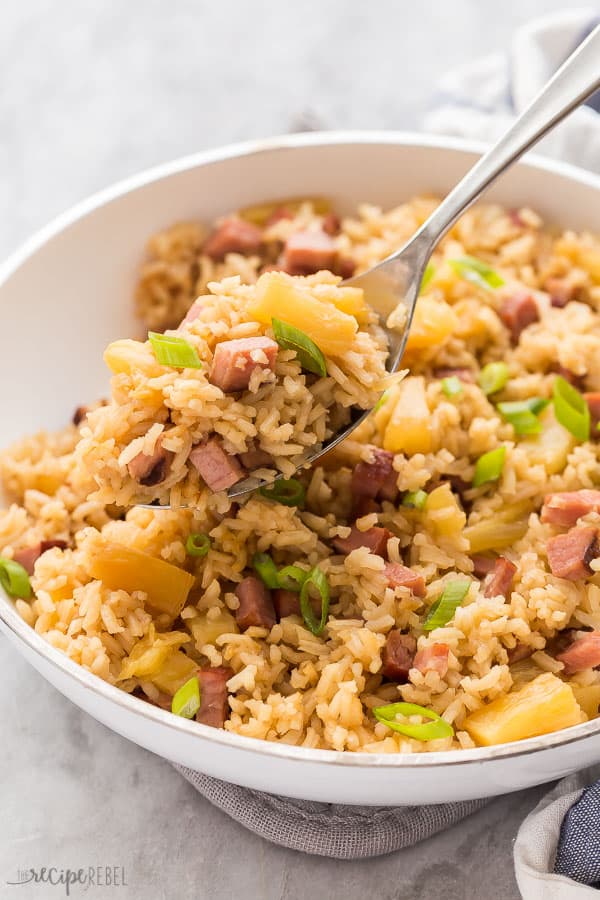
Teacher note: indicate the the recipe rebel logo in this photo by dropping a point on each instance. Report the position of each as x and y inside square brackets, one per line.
[85, 877]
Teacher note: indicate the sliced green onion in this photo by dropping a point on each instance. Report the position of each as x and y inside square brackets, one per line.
[477, 272]
[431, 730]
[489, 466]
[427, 276]
[174, 351]
[292, 578]
[266, 569]
[197, 544]
[571, 409]
[309, 355]
[14, 579]
[493, 377]
[523, 414]
[186, 701]
[415, 499]
[446, 605]
[288, 491]
[383, 399]
[451, 386]
[318, 579]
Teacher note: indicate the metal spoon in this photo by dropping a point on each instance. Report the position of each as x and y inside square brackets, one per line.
[395, 282]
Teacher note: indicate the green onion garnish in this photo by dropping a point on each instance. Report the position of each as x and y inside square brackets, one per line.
[14, 578]
[383, 399]
[266, 569]
[427, 276]
[309, 355]
[186, 701]
[451, 386]
[523, 414]
[288, 491]
[197, 544]
[477, 272]
[446, 605]
[431, 730]
[493, 377]
[292, 578]
[174, 351]
[317, 578]
[570, 409]
[415, 499]
[489, 466]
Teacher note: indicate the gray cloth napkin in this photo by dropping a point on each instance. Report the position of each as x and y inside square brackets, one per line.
[329, 829]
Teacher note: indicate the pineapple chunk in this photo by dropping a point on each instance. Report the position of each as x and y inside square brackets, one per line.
[385, 409]
[206, 631]
[349, 300]
[282, 297]
[443, 511]
[119, 568]
[175, 671]
[551, 447]
[150, 654]
[127, 356]
[588, 698]
[543, 705]
[507, 526]
[409, 428]
[432, 323]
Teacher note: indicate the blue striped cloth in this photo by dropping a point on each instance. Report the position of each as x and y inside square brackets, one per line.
[578, 851]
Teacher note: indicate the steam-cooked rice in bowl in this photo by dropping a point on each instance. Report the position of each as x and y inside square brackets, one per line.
[414, 508]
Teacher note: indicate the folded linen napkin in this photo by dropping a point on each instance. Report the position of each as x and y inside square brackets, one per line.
[478, 101]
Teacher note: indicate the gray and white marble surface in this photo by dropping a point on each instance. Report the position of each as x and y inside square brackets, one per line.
[89, 93]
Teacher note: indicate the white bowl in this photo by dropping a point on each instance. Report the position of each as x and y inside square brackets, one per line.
[67, 293]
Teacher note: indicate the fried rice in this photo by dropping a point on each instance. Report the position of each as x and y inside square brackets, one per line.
[286, 682]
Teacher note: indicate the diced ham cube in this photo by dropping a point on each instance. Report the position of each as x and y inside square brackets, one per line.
[233, 236]
[583, 653]
[375, 539]
[255, 458]
[278, 215]
[401, 576]
[214, 705]
[216, 467]
[28, 556]
[193, 312]
[331, 224]
[577, 381]
[501, 579]
[561, 291]
[518, 311]
[566, 508]
[151, 468]
[363, 506]
[309, 251]
[570, 554]
[432, 659]
[482, 565]
[345, 267]
[235, 361]
[462, 374]
[592, 398]
[518, 652]
[397, 657]
[79, 415]
[368, 478]
[286, 603]
[256, 606]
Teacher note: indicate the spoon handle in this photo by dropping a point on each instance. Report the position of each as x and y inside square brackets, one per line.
[577, 79]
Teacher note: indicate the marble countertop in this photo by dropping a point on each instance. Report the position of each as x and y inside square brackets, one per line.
[92, 93]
